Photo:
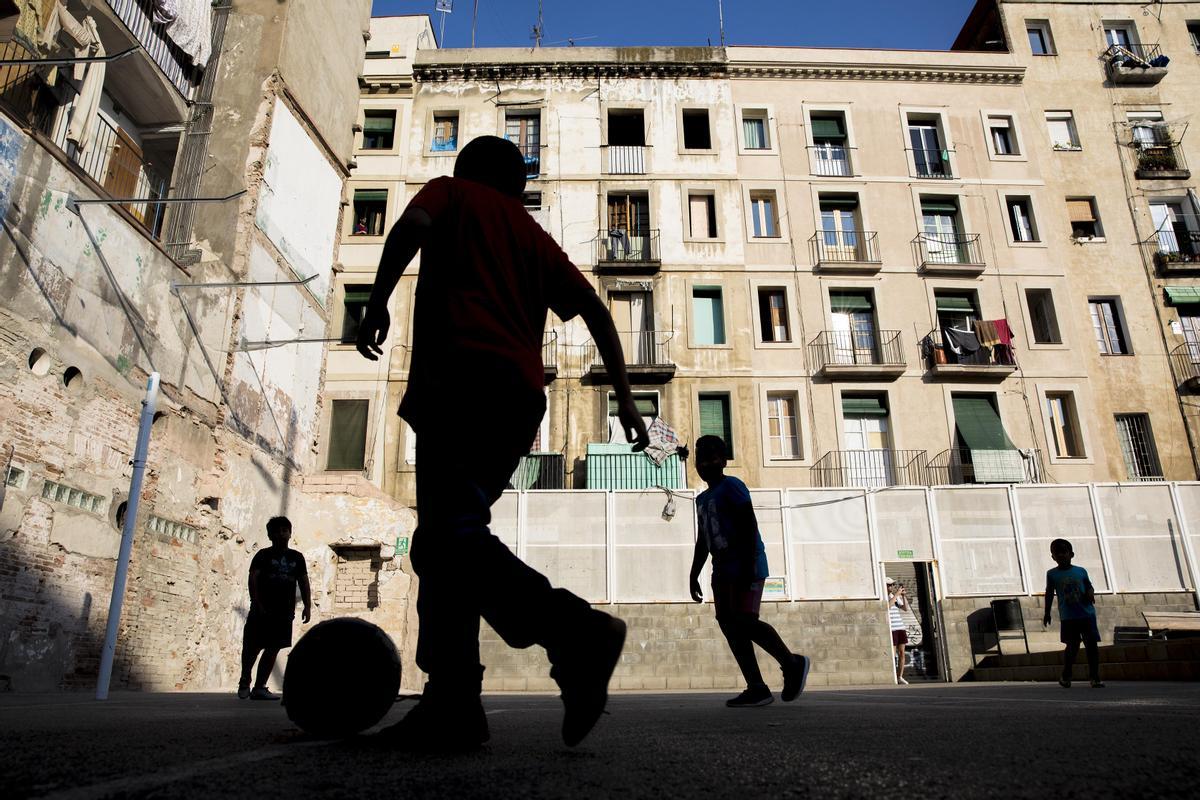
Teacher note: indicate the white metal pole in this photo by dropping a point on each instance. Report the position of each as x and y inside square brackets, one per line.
[135, 493]
[721, 17]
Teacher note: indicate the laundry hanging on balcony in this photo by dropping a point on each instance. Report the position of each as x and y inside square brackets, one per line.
[664, 442]
[87, 104]
[189, 24]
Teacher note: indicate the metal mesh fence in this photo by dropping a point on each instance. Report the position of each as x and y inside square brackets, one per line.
[567, 542]
[1052, 512]
[902, 525]
[1143, 538]
[831, 549]
[979, 543]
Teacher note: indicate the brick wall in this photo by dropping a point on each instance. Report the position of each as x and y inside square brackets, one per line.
[680, 646]
[356, 585]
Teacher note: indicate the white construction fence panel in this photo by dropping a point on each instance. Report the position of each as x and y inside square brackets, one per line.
[1050, 512]
[769, 513]
[504, 522]
[831, 548]
[979, 542]
[902, 525]
[652, 556]
[567, 541]
[1189, 509]
[1143, 538]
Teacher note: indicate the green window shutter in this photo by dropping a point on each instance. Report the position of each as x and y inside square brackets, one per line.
[830, 202]
[863, 407]
[827, 128]
[954, 303]
[709, 316]
[1182, 295]
[368, 195]
[379, 123]
[647, 405]
[844, 302]
[939, 208]
[980, 425]
[357, 294]
[347, 434]
[714, 418]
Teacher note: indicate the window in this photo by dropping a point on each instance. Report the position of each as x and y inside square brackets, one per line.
[1085, 222]
[708, 324]
[956, 309]
[931, 158]
[1108, 326]
[1020, 219]
[378, 53]
[445, 132]
[1120, 34]
[1064, 425]
[347, 434]
[370, 212]
[696, 134]
[854, 337]
[1137, 447]
[629, 213]
[783, 431]
[532, 200]
[978, 428]
[354, 305]
[379, 129]
[626, 127]
[1002, 136]
[524, 129]
[868, 458]
[830, 144]
[764, 218]
[1042, 318]
[1061, 125]
[647, 407]
[1176, 229]
[356, 578]
[756, 134]
[1041, 43]
[714, 419]
[941, 236]
[773, 316]
[1194, 34]
[1147, 127]
[702, 215]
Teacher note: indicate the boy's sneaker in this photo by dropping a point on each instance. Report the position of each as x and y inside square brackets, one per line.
[752, 698]
[433, 726]
[901, 680]
[1097, 684]
[582, 673]
[1064, 682]
[262, 693]
[243, 692]
[795, 675]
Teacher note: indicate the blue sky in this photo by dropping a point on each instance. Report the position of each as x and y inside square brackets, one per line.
[908, 24]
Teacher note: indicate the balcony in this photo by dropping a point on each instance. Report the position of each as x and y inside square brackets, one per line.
[532, 153]
[869, 469]
[846, 251]
[550, 356]
[540, 471]
[626, 159]
[646, 357]
[616, 466]
[627, 253]
[831, 160]
[1185, 365]
[994, 362]
[958, 253]
[933, 164]
[1135, 64]
[959, 465]
[1176, 250]
[857, 355]
[1160, 160]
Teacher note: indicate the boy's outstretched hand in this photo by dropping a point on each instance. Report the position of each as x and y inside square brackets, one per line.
[372, 332]
[631, 421]
[694, 586]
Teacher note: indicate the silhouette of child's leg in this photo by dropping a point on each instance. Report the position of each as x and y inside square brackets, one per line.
[1093, 659]
[766, 637]
[737, 633]
[1069, 658]
[265, 665]
[249, 652]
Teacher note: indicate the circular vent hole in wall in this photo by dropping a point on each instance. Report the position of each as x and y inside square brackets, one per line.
[39, 361]
[73, 379]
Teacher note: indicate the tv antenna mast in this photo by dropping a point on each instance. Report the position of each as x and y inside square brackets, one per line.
[539, 29]
[443, 7]
[721, 18]
[571, 40]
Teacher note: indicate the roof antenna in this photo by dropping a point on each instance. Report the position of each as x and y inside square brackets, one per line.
[721, 17]
[538, 30]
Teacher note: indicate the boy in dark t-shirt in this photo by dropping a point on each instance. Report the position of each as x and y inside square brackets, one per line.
[275, 573]
[475, 398]
[729, 533]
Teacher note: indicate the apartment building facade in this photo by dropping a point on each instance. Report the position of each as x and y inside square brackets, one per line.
[862, 268]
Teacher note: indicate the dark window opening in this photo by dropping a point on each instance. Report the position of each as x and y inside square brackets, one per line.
[696, 135]
[626, 128]
[354, 305]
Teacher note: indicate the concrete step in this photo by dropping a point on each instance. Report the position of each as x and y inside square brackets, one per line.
[1180, 650]
[1122, 671]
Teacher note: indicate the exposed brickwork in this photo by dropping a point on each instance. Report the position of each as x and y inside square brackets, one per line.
[357, 583]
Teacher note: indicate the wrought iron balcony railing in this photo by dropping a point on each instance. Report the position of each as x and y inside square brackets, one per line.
[960, 465]
[1177, 246]
[626, 159]
[865, 348]
[948, 249]
[870, 469]
[932, 163]
[938, 353]
[540, 471]
[1185, 364]
[532, 153]
[831, 160]
[1160, 159]
[175, 64]
[620, 246]
[641, 349]
[550, 353]
[845, 247]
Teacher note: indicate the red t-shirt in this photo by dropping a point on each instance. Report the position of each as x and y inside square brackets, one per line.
[488, 275]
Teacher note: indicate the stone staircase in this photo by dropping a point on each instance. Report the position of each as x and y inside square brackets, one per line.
[1175, 660]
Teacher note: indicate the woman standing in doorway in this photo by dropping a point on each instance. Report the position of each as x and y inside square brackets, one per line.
[897, 603]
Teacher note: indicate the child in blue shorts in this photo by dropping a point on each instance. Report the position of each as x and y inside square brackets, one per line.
[1076, 612]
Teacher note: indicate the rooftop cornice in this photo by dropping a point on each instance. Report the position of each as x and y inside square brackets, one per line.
[923, 73]
[494, 71]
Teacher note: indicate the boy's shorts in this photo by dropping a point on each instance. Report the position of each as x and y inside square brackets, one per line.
[737, 598]
[1079, 630]
[268, 631]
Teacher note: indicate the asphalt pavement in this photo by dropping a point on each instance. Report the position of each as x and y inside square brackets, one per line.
[962, 740]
